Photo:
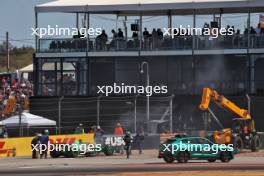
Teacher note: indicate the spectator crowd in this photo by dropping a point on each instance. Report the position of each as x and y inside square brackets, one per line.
[13, 92]
[49, 84]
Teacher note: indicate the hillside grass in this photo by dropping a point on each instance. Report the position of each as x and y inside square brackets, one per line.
[19, 58]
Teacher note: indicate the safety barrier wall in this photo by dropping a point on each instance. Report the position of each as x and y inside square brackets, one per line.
[22, 146]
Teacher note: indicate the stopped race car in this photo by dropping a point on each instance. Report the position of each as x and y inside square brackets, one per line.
[109, 144]
[184, 148]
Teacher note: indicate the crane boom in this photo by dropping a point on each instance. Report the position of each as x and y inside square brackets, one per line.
[220, 100]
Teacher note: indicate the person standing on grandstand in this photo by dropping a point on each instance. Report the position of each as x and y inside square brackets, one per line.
[146, 36]
[114, 34]
[44, 141]
[120, 34]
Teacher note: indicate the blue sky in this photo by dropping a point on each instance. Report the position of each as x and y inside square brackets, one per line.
[17, 17]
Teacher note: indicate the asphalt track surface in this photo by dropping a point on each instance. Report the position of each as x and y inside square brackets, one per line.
[115, 165]
[111, 169]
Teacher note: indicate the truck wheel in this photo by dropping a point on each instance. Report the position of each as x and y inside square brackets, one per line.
[255, 143]
[225, 157]
[238, 144]
[168, 158]
[183, 157]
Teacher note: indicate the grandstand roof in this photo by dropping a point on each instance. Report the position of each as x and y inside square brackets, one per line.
[136, 6]
[28, 68]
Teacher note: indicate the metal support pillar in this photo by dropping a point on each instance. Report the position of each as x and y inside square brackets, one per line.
[194, 36]
[171, 109]
[252, 61]
[36, 26]
[59, 114]
[140, 32]
[249, 103]
[98, 111]
[249, 87]
[135, 113]
[77, 20]
[193, 56]
[88, 36]
[125, 26]
[248, 34]
[169, 20]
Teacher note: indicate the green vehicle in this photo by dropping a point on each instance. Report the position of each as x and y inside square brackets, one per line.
[76, 149]
[70, 151]
[184, 148]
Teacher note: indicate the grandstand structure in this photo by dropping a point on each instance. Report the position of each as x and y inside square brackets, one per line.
[68, 70]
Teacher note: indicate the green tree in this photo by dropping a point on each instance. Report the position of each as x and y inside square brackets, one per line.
[19, 56]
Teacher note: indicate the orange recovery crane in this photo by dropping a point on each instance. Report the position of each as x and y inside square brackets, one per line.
[243, 133]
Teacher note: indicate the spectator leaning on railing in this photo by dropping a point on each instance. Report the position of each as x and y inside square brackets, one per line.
[156, 40]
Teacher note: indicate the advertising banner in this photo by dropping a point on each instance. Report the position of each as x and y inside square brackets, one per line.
[22, 146]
